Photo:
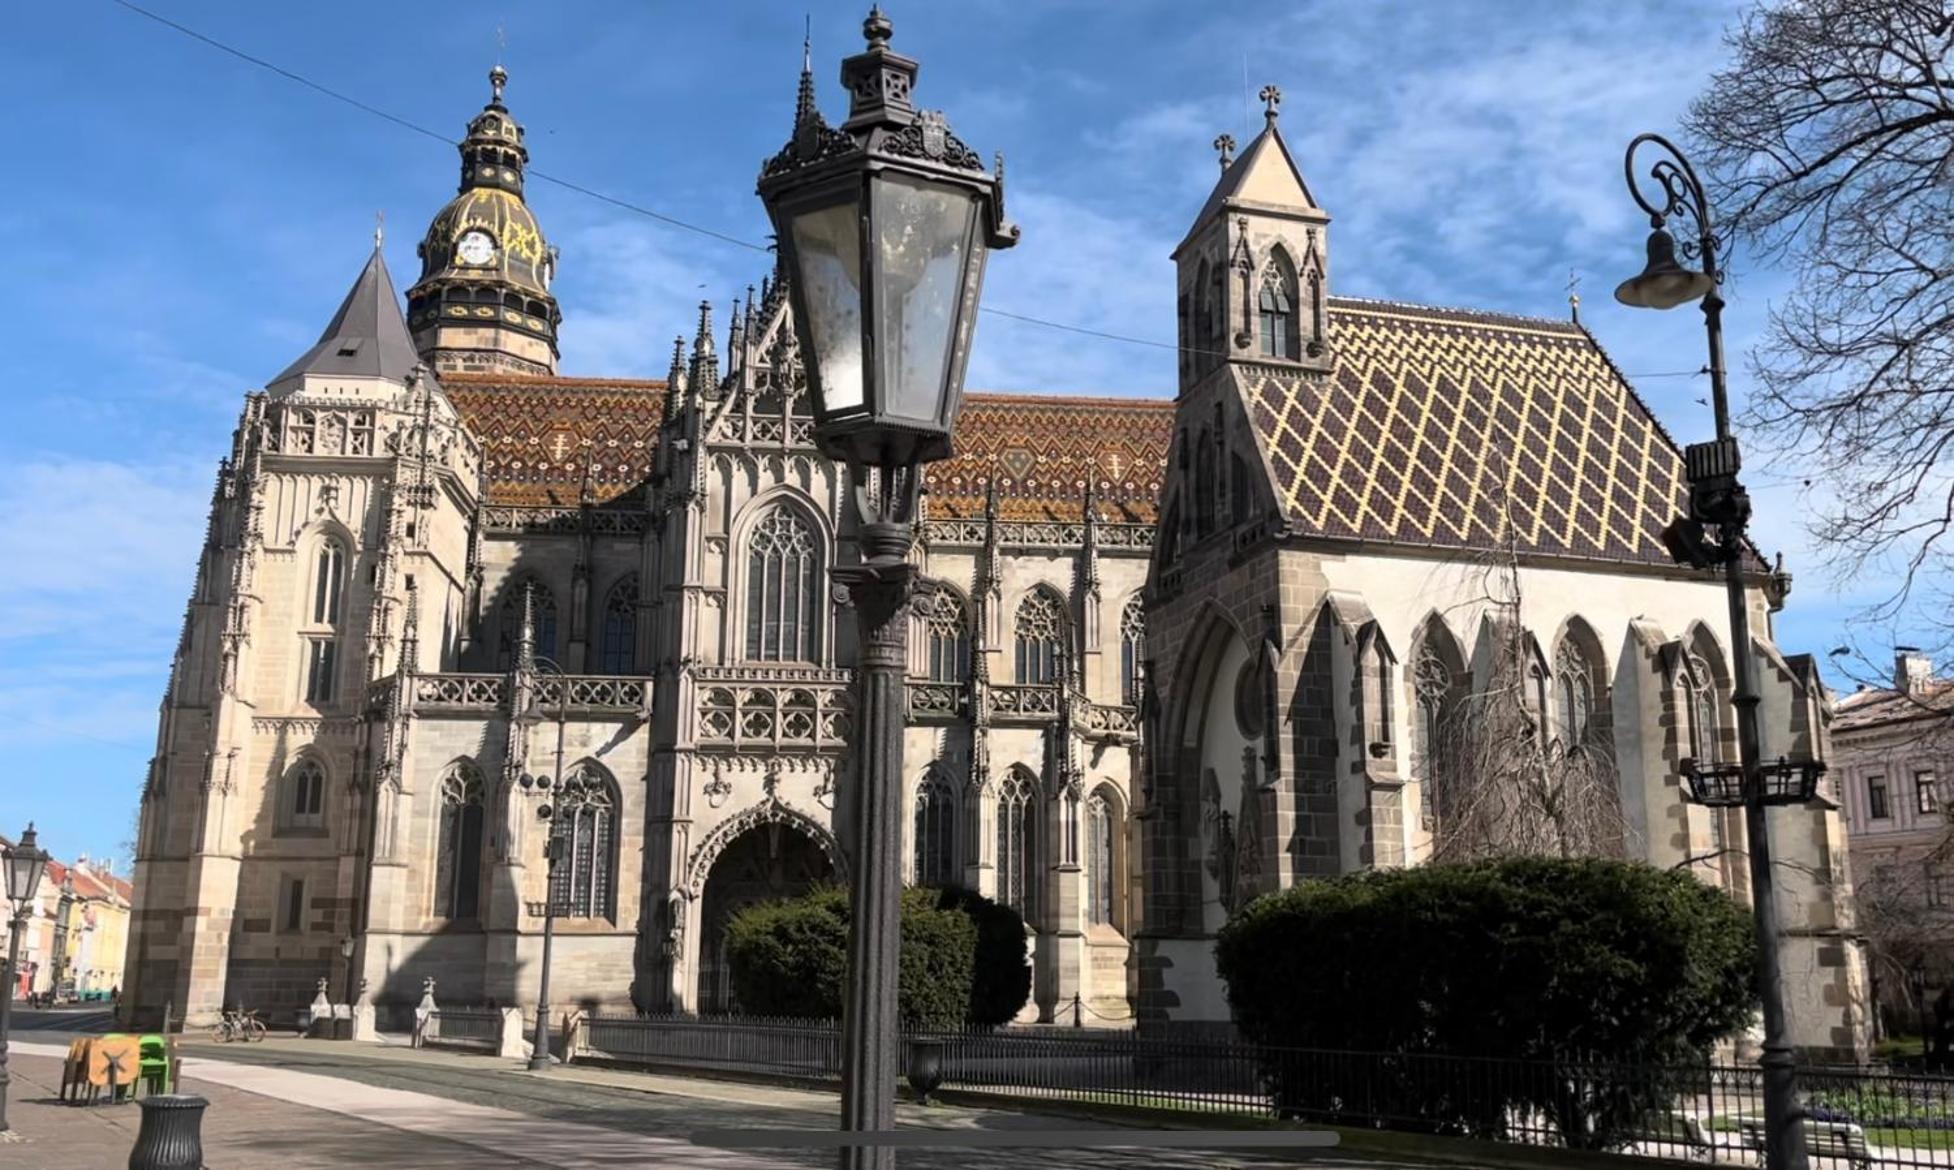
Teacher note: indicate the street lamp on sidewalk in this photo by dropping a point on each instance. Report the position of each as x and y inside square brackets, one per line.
[883, 226]
[22, 865]
[1712, 536]
[565, 794]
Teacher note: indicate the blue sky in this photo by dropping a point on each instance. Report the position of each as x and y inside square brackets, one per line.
[181, 225]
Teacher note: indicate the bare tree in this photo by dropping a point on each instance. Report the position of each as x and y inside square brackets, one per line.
[1829, 141]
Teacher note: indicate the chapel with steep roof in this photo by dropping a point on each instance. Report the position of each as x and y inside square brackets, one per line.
[1170, 653]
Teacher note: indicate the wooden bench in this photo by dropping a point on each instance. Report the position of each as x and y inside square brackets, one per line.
[1823, 1139]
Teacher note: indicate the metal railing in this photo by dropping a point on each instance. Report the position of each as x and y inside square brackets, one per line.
[462, 1028]
[1702, 1112]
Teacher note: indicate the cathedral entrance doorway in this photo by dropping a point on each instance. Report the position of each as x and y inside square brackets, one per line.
[770, 861]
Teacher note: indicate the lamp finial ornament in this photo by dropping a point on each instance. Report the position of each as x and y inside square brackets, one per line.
[1271, 102]
[877, 28]
[498, 77]
[1225, 144]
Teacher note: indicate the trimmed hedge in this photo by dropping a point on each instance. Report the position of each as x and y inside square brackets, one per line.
[1534, 959]
[962, 958]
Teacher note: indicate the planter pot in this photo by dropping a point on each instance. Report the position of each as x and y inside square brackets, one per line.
[171, 1137]
[925, 1067]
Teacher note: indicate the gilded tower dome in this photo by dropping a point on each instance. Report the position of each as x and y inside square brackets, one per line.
[483, 300]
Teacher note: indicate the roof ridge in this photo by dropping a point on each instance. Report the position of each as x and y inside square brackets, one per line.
[1554, 324]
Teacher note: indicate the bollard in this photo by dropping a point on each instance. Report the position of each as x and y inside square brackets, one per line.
[171, 1137]
[925, 1067]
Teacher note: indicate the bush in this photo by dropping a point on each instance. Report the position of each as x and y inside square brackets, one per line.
[1529, 959]
[790, 958]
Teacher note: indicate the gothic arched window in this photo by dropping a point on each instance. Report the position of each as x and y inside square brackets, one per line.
[1574, 691]
[1016, 828]
[328, 582]
[1435, 671]
[618, 648]
[1041, 631]
[1276, 309]
[542, 613]
[782, 589]
[946, 637]
[1207, 497]
[1132, 650]
[1700, 697]
[936, 829]
[302, 797]
[585, 877]
[1204, 311]
[1101, 860]
[458, 854]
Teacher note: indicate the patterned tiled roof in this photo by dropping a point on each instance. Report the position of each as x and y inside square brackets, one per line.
[540, 436]
[538, 432]
[1467, 430]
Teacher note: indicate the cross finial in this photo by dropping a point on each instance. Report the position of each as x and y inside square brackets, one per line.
[1225, 143]
[379, 229]
[1271, 101]
[1574, 294]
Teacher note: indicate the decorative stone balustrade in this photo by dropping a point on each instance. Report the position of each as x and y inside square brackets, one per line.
[1031, 703]
[588, 693]
[605, 521]
[935, 702]
[794, 714]
[1038, 534]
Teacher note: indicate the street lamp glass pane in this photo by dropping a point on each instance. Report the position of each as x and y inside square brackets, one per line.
[827, 244]
[924, 236]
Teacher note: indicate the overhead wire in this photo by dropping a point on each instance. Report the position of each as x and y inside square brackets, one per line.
[635, 208]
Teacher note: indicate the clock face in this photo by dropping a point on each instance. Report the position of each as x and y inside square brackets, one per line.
[475, 248]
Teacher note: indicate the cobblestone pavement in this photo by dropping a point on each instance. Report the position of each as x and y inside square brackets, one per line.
[664, 1107]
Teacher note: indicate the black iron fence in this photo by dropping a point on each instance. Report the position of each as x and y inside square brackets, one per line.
[462, 1028]
[1707, 1112]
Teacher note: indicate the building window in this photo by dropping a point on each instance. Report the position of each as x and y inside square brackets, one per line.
[1040, 632]
[302, 797]
[1101, 874]
[1241, 496]
[1700, 694]
[1574, 690]
[936, 828]
[320, 658]
[1207, 497]
[781, 589]
[946, 638]
[1926, 801]
[618, 648]
[1132, 651]
[1276, 308]
[458, 857]
[586, 875]
[1015, 830]
[1876, 798]
[328, 582]
[291, 906]
[542, 613]
[1435, 690]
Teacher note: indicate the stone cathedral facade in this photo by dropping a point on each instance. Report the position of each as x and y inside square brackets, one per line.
[1170, 654]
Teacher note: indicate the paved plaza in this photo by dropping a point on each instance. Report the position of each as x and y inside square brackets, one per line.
[299, 1104]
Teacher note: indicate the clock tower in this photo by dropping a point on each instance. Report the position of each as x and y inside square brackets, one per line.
[483, 301]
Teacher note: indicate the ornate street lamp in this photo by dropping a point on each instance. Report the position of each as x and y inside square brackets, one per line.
[22, 865]
[1712, 536]
[566, 794]
[883, 226]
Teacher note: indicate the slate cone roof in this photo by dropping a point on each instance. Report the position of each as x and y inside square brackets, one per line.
[1465, 430]
[367, 337]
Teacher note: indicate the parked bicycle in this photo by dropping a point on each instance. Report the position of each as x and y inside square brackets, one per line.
[240, 1025]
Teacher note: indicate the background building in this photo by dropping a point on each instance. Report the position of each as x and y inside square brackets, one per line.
[1891, 749]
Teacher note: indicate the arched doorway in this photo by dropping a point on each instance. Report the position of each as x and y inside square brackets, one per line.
[769, 861]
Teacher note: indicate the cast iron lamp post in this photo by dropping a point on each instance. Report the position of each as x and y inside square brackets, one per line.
[1717, 501]
[23, 865]
[567, 795]
[883, 227]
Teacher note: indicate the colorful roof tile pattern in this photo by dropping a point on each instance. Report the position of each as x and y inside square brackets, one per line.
[1044, 450]
[541, 436]
[1467, 430]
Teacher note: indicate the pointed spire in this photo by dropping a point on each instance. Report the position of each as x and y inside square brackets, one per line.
[526, 641]
[675, 379]
[368, 335]
[1089, 555]
[410, 634]
[991, 568]
[735, 333]
[704, 375]
[805, 109]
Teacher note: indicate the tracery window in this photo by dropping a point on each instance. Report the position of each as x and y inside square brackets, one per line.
[1016, 809]
[1101, 873]
[584, 880]
[1207, 497]
[782, 577]
[321, 659]
[1433, 685]
[1132, 650]
[936, 828]
[1700, 698]
[458, 854]
[302, 796]
[1276, 309]
[946, 638]
[1574, 687]
[618, 646]
[1041, 631]
[542, 613]
[329, 582]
